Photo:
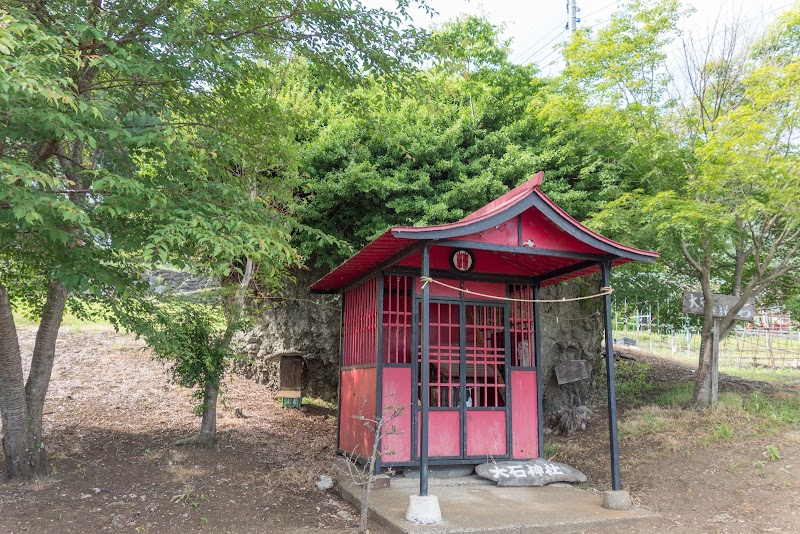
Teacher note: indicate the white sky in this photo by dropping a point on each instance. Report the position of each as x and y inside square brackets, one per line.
[537, 26]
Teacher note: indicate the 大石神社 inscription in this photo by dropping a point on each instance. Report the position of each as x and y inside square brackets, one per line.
[535, 472]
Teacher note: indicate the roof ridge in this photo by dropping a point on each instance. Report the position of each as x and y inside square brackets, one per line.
[522, 189]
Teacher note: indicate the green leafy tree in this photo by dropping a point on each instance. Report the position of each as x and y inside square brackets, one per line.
[729, 220]
[118, 148]
[606, 117]
[375, 158]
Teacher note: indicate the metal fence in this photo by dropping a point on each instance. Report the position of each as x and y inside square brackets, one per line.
[765, 343]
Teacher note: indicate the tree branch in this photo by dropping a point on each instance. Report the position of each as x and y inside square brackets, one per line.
[686, 254]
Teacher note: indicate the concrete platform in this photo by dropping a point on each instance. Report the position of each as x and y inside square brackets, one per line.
[473, 504]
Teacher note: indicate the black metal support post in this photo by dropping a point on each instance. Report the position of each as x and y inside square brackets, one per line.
[379, 367]
[426, 373]
[339, 386]
[612, 393]
[537, 353]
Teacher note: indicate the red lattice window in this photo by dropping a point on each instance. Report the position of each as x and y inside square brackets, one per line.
[522, 333]
[397, 294]
[444, 355]
[485, 356]
[360, 324]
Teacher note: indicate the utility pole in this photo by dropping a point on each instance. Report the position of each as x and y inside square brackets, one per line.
[573, 10]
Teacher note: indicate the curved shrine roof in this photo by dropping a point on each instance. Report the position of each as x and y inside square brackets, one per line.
[522, 234]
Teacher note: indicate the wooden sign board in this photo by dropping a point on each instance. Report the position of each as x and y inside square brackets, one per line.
[694, 303]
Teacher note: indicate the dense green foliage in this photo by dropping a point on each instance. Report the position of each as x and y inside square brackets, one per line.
[157, 129]
[705, 172]
[153, 131]
[375, 158]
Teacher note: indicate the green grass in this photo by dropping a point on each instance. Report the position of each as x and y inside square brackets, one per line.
[645, 421]
[679, 396]
[551, 449]
[69, 321]
[721, 432]
[747, 349]
[785, 376]
[321, 403]
[784, 410]
[631, 381]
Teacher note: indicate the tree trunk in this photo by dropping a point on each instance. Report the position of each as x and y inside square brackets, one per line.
[13, 409]
[703, 379]
[42, 360]
[208, 427]
[703, 392]
[702, 383]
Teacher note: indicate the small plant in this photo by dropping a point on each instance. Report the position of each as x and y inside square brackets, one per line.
[379, 427]
[185, 495]
[551, 450]
[190, 338]
[772, 454]
[721, 431]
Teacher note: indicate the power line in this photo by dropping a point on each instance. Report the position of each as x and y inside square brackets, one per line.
[602, 8]
[542, 38]
[527, 60]
[556, 50]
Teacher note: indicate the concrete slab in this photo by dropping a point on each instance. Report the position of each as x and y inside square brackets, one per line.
[471, 505]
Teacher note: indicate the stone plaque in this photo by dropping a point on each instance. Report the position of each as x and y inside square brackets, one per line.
[572, 371]
[536, 472]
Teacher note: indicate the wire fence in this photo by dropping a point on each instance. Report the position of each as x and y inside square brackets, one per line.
[768, 343]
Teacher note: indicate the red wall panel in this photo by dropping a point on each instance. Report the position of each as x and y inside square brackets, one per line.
[359, 329]
[545, 234]
[357, 398]
[444, 433]
[486, 432]
[397, 391]
[502, 234]
[524, 420]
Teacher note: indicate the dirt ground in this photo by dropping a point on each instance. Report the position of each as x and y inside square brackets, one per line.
[112, 420]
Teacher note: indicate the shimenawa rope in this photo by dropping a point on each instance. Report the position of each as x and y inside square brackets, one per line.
[606, 290]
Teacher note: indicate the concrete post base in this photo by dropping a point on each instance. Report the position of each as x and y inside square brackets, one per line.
[617, 500]
[423, 510]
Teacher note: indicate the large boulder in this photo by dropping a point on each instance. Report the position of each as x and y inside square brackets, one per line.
[571, 331]
[300, 324]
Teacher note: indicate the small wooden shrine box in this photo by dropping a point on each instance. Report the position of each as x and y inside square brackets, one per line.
[291, 376]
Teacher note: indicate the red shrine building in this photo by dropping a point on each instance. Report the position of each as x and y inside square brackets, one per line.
[443, 320]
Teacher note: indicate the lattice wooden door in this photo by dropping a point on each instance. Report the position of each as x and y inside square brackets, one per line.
[468, 390]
